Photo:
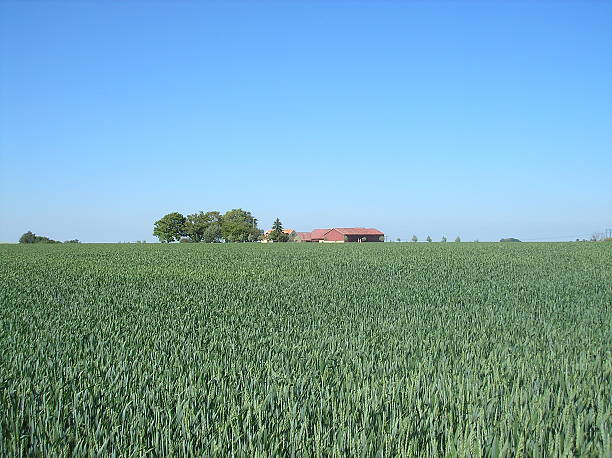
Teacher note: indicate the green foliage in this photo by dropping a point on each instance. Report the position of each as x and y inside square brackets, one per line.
[414, 238]
[204, 227]
[306, 350]
[235, 226]
[72, 241]
[457, 239]
[212, 233]
[283, 237]
[510, 239]
[277, 234]
[239, 225]
[277, 226]
[170, 228]
[30, 237]
[428, 238]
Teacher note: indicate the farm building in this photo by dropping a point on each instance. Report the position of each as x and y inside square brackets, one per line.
[290, 232]
[342, 234]
[318, 235]
[304, 236]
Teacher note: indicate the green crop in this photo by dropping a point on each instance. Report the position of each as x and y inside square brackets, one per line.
[306, 349]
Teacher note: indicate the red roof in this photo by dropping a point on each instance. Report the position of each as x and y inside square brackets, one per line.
[318, 234]
[358, 231]
[285, 231]
[305, 236]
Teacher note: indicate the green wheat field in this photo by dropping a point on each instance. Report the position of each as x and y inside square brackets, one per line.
[456, 349]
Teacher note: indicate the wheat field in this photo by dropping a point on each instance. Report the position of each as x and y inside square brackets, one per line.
[457, 349]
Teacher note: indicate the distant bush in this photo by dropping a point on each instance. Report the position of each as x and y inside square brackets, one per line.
[510, 239]
[30, 237]
[72, 241]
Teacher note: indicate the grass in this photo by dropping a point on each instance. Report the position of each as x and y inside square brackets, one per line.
[306, 349]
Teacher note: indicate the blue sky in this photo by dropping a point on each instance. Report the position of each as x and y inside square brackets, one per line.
[478, 119]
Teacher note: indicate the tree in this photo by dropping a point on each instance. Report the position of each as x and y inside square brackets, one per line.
[510, 239]
[414, 238]
[428, 238]
[277, 234]
[398, 239]
[238, 225]
[277, 226]
[30, 237]
[203, 227]
[458, 239]
[443, 239]
[212, 233]
[170, 228]
[195, 225]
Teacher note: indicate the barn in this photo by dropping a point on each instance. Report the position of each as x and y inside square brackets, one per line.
[304, 237]
[342, 234]
[318, 235]
[354, 234]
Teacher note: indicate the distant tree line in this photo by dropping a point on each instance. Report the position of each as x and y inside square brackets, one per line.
[429, 239]
[236, 225]
[30, 237]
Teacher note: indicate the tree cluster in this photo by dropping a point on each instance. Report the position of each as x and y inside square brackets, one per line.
[236, 225]
[277, 234]
[30, 237]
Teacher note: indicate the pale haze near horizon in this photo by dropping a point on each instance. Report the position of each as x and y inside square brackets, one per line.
[430, 118]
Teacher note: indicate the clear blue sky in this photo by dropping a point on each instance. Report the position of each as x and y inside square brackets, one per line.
[478, 119]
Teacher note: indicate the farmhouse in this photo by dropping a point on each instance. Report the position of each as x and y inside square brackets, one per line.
[290, 232]
[342, 234]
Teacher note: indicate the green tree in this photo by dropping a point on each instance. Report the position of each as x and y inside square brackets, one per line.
[277, 226]
[414, 238]
[195, 225]
[443, 239]
[203, 227]
[170, 228]
[238, 225]
[30, 237]
[212, 233]
[458, 239]
[428, 238]
[277, 234]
